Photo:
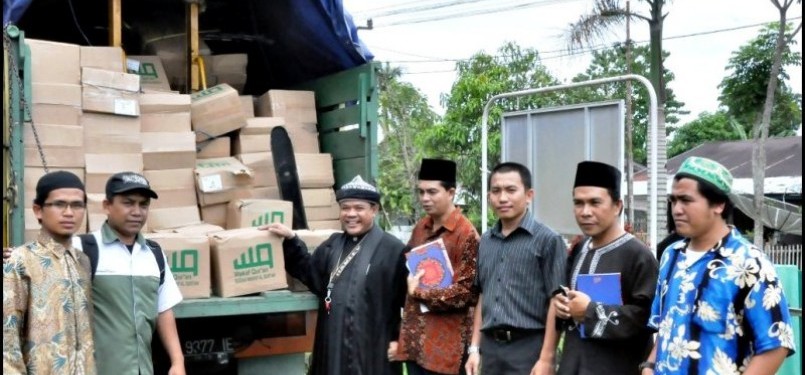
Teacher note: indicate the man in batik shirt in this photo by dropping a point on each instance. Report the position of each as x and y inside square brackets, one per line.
[719, 306]
[46, 288]
[433, 340]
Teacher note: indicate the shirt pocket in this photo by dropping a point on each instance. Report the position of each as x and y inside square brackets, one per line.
[712, 309]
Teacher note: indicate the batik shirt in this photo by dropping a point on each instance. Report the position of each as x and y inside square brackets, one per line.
[47, 311]
[715, 314]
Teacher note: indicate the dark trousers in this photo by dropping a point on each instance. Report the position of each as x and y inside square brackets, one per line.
[512, 352]
[415, 369]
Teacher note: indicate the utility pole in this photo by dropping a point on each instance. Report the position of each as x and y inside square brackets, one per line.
[629, 125]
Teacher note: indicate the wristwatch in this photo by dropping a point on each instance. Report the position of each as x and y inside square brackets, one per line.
[473, 349]
[646, 365]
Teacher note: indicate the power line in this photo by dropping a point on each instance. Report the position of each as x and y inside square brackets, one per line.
[498, 8]
[431, 5]
[566, 53]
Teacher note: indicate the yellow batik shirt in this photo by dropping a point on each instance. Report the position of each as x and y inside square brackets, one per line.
[47, 311]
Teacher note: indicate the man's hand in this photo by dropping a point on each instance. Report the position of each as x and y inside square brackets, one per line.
[413, 281]
[543, 367]
[578, 304]
[561, 304]
[392, 351]
[472, 364]
[177, 369]
[279, 230]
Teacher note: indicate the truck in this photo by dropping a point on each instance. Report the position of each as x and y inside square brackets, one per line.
[301, 45]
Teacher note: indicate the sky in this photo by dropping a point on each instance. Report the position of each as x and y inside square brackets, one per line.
[698, 61]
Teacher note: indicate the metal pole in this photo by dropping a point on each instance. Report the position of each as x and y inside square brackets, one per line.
[17, 57]
[652, 144]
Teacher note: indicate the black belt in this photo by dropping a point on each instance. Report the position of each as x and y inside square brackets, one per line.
[509, 335]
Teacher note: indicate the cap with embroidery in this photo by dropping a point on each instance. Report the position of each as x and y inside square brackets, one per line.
[707, 170]
[358, 189]
[128, 181]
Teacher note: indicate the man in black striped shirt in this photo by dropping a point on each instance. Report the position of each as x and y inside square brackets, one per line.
[520, 262]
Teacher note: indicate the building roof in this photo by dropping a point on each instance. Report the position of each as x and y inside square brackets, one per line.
[783, 157]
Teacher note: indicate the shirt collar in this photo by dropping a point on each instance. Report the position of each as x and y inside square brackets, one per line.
[527, 223]
[449, 224]
[108, 235]
[50, 245]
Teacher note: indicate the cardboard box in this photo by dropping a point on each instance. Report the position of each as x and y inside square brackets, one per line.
[110, 134]
[96, 215]
[57, 114]
[247, 103]
[56, 157]
[266, 192]
[246, 261]
[220, 147]
[315, 170]
[217, 179]
[164, 103]
[323, 213]
[53, 135]
[165, 122]
[214, 214]
[106, 58]
[109, 79]
[201, 228]
[175, 187]
[246, 144]
[53, 62]
[56, 93]
[99, 167]
[318, 197]
[324, 224]
[261, 125]
[169, 150]
[294, 106]
[216, 111]
[262, 164]
[105, 100]
[246, 213]
[174, 217]
[189, 260]
[151, 71]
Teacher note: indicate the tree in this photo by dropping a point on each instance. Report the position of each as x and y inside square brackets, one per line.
[612, 62]
[608, 14]
[458, 137]
[743, 91]
[404, 116]
[761, 129]
[707, 127]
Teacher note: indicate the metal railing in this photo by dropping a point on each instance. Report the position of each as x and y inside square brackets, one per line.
[785, 255]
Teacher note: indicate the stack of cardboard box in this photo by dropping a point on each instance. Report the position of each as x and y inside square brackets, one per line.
[56, 114]
[169, 159]
[111, 123]
[252, 146]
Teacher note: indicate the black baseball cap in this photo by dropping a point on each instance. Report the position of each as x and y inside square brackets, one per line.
[124, 182]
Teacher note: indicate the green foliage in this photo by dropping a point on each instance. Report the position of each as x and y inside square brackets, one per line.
[404, 117]
[612, 62]
[707, 127]
[743, 91]
[458, 137]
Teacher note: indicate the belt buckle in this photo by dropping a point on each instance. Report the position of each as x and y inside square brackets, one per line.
[499, 335]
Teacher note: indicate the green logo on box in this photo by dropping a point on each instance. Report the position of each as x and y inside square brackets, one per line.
[257, 256]
[148, 70]
[268, 218]
[208, 92]
[185, 261]
[211, 164]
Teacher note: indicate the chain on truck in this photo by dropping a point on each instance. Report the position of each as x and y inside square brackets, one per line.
[253, 47]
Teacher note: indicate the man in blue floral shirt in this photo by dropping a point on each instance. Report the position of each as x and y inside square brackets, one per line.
[719, 307]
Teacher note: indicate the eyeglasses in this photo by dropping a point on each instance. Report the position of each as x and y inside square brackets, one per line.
[62, 205]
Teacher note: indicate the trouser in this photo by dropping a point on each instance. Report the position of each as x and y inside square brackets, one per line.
[510, 352]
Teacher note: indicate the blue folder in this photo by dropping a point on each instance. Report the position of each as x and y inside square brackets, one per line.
[603, 288]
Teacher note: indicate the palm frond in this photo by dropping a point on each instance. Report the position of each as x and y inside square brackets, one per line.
[591, 28]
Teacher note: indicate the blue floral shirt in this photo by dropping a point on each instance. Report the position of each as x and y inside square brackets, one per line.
[715, 314]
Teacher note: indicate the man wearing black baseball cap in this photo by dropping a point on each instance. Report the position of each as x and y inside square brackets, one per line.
[125, 259]
[46, 313]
